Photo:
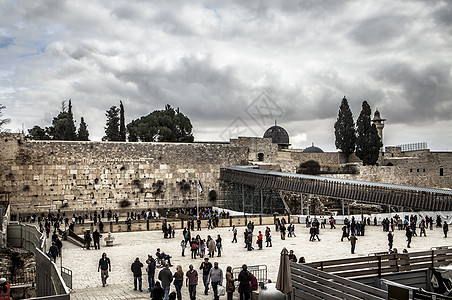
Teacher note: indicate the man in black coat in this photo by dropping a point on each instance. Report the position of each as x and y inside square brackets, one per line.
[96, 239]
[136, 269]
[244, 283]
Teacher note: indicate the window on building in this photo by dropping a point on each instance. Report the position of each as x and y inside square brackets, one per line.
[441, 172]
[423, 170]
[411, 170]
[418, 170]
[260, 156]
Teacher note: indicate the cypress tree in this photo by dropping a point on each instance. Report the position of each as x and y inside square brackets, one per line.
[83, 134]
[112, 126]
[70, 130]
[368, 142]
[344, 129]
[122, 123]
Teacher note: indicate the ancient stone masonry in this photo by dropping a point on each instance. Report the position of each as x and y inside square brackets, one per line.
[84, 176]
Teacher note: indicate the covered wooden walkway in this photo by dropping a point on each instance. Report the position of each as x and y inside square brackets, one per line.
[417, 198]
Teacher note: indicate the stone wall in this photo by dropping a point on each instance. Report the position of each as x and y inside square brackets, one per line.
[290, 160]
[75, 176]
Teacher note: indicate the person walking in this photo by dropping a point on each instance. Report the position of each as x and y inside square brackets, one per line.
[230, 287]
[445, 229]
[215, 278]
[422, 228]
[136, 270]
[151, 272]
[194, 247]
[353, 240]
[390, 239]
[104, 267]
[183, 246]
[205, 267]
[234, 234]
[157, 293]
[178, 281]
[409, 235]
[166, 277]
[219, 245]
[244, 283]
[345, 233]
[192, 281]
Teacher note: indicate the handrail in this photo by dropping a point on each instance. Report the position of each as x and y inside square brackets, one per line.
[376, 265]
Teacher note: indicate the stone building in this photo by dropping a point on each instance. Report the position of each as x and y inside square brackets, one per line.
[85, 176]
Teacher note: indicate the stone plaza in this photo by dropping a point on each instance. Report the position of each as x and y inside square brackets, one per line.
[129, 245]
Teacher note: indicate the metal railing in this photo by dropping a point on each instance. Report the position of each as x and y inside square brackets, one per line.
[260, 271]
[49, 282]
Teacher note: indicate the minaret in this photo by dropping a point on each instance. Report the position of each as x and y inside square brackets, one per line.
[379, 123]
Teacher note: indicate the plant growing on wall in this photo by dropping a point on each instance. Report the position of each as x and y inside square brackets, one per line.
[184, 187]
[124, 203]
[158, 187]
[212, 196]
[310, 167]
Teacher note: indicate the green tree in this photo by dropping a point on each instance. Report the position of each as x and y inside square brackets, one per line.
[3, 121]
[112, 126]
[63, 127]
[70, 130]
[367, 137]
[168, 125]
[122, 123]
[83, 134]
[344, 129]
[37, 133]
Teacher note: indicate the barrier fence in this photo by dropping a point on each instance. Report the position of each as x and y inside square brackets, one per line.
[49, 282]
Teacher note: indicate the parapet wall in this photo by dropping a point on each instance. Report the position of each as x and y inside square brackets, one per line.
[85, 176]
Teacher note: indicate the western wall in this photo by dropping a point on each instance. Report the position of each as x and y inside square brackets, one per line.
[85, 176]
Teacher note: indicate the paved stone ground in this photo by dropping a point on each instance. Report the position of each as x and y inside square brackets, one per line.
[129, 245]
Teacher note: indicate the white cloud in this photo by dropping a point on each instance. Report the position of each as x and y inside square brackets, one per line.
[212, 59]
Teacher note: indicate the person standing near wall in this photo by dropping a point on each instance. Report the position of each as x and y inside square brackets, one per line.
[104, 267]
[353, 240]
[390, 239]
[445, 229]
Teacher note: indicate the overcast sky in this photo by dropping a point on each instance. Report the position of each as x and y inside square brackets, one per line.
[233, 67]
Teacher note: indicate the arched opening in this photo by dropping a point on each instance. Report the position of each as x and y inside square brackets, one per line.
[260, 156]
[390, 164]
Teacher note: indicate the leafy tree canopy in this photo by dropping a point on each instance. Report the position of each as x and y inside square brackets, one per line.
[37, 133]
[167, 125]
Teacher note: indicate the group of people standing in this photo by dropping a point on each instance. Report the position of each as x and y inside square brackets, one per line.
[199, 246]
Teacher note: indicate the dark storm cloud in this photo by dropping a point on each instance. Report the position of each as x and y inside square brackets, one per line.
[380, 30]
[212, 59]
[417, 94]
